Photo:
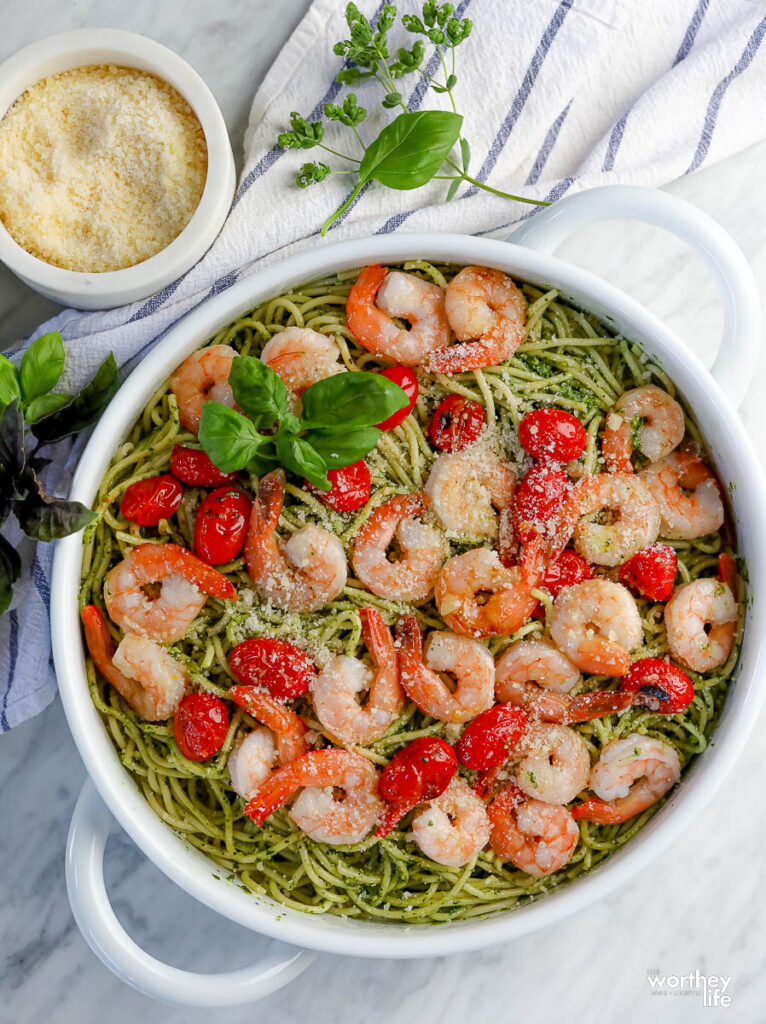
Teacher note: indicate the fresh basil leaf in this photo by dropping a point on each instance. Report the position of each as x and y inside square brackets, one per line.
[339, 449]
[44, 404]
[263, 462]
[9, 381]
[410, 150]
[46, 518]
[41, 366]
[454, 184]
[12, 454]
[350, 400]
[258, 390]
[296, 454]
[230, 439]
[81, 410]
[10, 569]
[465, 153]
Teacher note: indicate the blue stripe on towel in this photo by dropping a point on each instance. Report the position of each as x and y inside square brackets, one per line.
[13, 648]
[547, 147]
[714, 106]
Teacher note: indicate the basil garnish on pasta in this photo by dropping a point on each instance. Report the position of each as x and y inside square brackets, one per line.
[337, 428]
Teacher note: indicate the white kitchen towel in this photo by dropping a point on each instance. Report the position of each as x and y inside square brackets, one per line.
[558, 95]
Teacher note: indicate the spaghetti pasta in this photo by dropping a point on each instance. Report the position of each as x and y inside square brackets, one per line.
[568, 359]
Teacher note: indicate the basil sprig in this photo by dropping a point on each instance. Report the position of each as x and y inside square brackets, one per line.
[26, 404]
[412, 150]
[337, 427]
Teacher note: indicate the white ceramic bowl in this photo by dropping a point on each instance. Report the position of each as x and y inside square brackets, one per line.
[57, 53]
[711, 396]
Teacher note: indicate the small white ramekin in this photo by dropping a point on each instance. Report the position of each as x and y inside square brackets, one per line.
[67, 50]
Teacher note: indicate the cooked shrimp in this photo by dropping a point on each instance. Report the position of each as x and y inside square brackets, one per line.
[464, 659]
[141, 671]
[412, 576]
[131, 596]
[555, 764]
[486, 311]
[334, 691]
[701, 623]
[466, 580]
[596, 623]
[536, 837]
[634, 518]
[534, 675]
[252, 761]
[688, 495]
[286, 727]
[630, 775]
[301, 574]
[660, 427]
[453, 828]
[339, 819]
[201, 377]
[400, 295]
[466, 488]
[302, 357]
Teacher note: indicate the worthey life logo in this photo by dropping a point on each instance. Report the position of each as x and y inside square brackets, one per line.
[712, 988]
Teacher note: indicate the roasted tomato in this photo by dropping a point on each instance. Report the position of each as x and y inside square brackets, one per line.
[192, 466]
[487, 740]
[651, 572]
[420, 771]
[284, 669]
[221, 525]
[552, 435]
[405, 377]
[148, 501]
[200, 726]
[456, 423]
[350, 487]
[659, 686]
[538, 500]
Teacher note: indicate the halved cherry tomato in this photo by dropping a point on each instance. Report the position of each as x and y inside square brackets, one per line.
[147, 501]
[569, 568]
[552, 435]
[405, 377]
[659, 686]
[651, 572]
[489, 738]
[284, 669]
[456, 423]
[350, 487]
[221, 525]
[200, 725]
[420, 771]
[192, 466]
[538, 499]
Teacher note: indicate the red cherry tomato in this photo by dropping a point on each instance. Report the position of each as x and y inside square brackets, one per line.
[651, 572]
[284, 669]
[350, 487]
[538, 499]
[192, 466]
[659, 685]
[221, 525]
[569, 568]
[420, 771]
[200, 725]
[552, 435]
[147, 501]
[456, 423]
[488, 739]
[405, 377]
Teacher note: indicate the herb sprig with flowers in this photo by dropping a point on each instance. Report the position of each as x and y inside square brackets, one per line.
[31, 415]
[414, 148]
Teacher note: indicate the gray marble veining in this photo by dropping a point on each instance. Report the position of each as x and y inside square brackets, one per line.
[701, 905]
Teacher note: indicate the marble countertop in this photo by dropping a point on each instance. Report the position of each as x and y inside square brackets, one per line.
[700, 906]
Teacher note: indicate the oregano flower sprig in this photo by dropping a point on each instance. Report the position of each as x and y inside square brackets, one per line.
[414, 148]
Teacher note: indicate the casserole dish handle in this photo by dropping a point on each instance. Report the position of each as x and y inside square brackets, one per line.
[735, 363]
[91, 824]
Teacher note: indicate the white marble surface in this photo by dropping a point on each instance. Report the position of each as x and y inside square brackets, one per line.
[700, 906]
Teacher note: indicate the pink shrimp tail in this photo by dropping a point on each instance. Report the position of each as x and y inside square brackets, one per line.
[360, 297]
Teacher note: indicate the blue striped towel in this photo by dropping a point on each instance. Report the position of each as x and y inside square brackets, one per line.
[558, 95]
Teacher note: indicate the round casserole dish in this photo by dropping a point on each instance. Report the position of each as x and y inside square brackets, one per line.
[110, 791]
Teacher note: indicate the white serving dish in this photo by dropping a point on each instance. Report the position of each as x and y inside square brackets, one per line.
[56, 53]
[110, 790]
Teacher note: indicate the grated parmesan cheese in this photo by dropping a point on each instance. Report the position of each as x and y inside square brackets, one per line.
[101, 167]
